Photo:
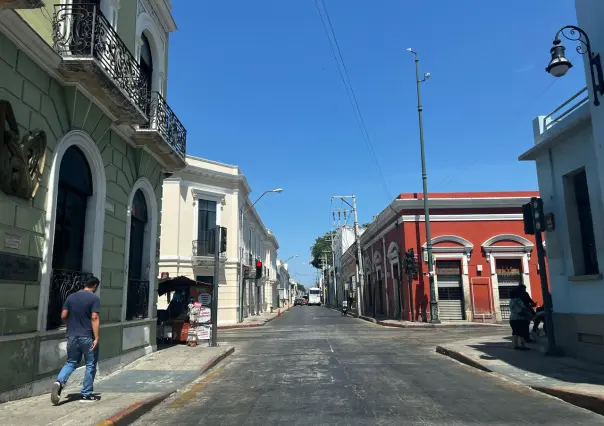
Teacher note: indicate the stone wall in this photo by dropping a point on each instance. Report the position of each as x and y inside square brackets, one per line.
[42, 102]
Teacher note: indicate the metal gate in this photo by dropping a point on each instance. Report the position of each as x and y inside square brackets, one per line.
[509, 276]
[450, 294]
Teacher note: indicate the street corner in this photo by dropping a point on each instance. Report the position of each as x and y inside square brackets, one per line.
[460, 356]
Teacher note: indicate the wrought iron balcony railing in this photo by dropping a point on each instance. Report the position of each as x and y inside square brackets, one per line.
[62, 284]
[163, 120]
[81, 31]
[205, 246]
[137, 303]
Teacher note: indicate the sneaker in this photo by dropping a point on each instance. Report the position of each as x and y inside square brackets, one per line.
[55, 393]
[89, 398]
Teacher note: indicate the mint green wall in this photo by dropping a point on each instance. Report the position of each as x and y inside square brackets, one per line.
[41, 102]
[39, 20]
[126, 23]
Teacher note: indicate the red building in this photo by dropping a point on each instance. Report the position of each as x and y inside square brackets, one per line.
[480, 253]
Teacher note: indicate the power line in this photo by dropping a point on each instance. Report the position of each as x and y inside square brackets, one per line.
[343, 71]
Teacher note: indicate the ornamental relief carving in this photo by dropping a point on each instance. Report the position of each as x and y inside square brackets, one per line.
[21, 162]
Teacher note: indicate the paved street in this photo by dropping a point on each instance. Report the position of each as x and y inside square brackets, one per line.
[314, 367]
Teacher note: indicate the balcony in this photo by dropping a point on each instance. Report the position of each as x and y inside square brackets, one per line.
[204, 249]
[137, 303]
[97, 58]
[164, 134]
[21, 4]
[62, 284]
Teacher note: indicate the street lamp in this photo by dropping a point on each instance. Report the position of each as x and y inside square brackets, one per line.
[433, 303]
[559, 65]
[240, 243]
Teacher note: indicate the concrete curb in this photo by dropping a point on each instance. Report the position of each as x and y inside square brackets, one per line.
[254, 324]
[458, 356]
[583, 400]
[131, 413]
[589, 402]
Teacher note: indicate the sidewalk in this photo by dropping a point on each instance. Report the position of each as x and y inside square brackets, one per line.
[125, 394]
[256, 320]
[578, 382]
[418, 324]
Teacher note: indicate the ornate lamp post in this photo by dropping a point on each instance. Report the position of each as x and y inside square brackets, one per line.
[559, 64]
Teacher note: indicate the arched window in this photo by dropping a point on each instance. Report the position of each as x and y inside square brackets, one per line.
[147, 63]
[138, 286]
[75, 188]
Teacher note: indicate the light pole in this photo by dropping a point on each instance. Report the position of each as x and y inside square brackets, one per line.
[433, 302]
[241, 246]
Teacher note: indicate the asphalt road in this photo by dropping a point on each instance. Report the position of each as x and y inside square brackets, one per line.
[315, 367]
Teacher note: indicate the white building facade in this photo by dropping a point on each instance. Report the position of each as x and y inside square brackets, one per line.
[570, 159]
[206, 194]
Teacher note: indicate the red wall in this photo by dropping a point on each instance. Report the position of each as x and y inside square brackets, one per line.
[412, 235]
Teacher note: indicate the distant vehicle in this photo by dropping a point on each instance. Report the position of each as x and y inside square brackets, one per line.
[305, 301]
[314, 296]
[298, 302]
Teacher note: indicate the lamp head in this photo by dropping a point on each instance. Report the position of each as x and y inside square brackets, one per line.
[277, 190]
[559, 64]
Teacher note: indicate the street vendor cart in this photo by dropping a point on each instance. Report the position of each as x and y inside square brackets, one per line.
[187, 316]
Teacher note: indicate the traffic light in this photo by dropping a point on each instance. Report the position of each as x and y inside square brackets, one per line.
[409, 262]
[246, 271]
[258, 269]
[527, 217]
[539, 218]
[223, 239]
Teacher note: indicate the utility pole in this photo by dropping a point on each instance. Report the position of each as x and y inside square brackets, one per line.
[433, 302]
[360, 278]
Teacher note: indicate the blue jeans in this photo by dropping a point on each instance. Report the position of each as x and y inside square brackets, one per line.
[76, 348]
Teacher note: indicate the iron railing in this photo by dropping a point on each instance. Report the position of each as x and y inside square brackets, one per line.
[163, 120]
[137, 303]
[573, 103]
[62, 284]
[81, 31]
[206, 244]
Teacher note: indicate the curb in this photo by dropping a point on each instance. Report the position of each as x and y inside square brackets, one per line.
[131, 413]
[586, 401]
[458, 356]
[254, 324]
[582, 400]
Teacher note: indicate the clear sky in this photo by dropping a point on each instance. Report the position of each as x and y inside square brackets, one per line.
[256, 84]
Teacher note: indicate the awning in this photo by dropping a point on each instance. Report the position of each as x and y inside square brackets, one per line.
[170, 284]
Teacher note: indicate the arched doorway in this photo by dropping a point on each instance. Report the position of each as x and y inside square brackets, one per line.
[137, 302]
[74, 190]
[146, 63]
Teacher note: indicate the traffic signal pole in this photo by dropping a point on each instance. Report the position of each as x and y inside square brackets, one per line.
[214, 308]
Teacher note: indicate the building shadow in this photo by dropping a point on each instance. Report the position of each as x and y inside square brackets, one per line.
[566, 369]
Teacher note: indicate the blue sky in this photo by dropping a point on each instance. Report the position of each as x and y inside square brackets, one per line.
[256, 84]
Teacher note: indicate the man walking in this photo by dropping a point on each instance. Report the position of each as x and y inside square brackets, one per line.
[81, 312]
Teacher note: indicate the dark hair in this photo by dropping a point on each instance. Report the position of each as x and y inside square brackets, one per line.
[92, 282]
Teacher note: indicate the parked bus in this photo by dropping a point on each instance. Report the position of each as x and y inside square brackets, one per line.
[314, 296]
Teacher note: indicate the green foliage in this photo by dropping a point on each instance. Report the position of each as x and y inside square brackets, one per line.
[366, 224]
[317, 251]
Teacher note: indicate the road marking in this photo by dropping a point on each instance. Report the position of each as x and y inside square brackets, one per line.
[192, 393]
[329, 345]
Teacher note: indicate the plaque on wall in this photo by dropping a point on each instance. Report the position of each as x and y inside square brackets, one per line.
[18, 268]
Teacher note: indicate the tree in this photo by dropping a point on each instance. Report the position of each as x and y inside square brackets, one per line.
[317, 251]
[366, 224]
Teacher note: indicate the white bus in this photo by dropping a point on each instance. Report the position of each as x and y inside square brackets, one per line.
[314, 296]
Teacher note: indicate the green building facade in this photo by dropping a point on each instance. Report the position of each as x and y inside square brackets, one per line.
[86, 139]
